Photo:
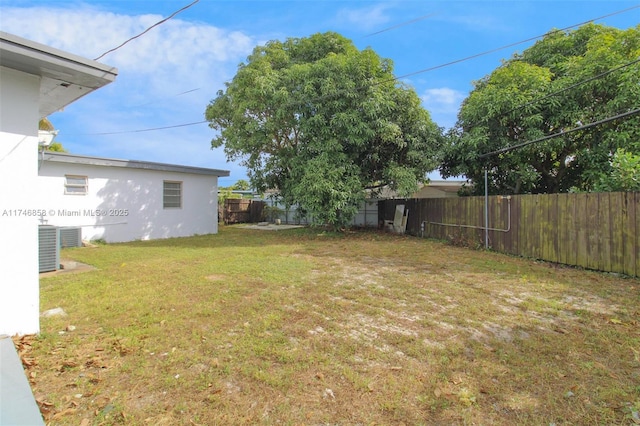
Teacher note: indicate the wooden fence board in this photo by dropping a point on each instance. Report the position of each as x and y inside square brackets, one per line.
[571, 240]
[528, 232]
[237, 210]
[592, 231]
[472, 210]
[596, 231]
[581, 230]
[515, 245]
[616, 202]
[523, 202]
[495, 237]
[553, 228]
[636, 243]
[564, 230]
[535, 231]
[547, 209]
[604, 232]
[631, 229]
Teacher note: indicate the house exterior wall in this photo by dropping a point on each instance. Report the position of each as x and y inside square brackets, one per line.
[19, 287]
[126, 204]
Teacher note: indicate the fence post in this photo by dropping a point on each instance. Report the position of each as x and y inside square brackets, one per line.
[486, 210]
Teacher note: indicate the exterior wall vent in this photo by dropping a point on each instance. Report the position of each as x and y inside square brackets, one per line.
[70, 237]
[49, 248]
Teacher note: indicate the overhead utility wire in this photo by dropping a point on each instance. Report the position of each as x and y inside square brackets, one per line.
[595, 77]
[512, 44]
[147, 30]
[168, 97]
[403, 76]
[561, 133]
[401, 25]
[146, 130]
[558, 92]
[474, 56]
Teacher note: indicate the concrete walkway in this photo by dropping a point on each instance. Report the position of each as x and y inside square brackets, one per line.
[68, 267]
[272, 227]
[17, 405]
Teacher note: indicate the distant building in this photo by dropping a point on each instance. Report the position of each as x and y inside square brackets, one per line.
[432, 189]
[124, 200]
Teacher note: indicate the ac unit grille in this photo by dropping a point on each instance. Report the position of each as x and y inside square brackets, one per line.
[70, 237]
[49, 252]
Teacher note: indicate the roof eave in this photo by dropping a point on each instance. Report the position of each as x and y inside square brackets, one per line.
[59, 157]
[65, 77]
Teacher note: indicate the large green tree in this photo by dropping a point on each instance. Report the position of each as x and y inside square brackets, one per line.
[554, 86]
[625, 173]
[319, 120]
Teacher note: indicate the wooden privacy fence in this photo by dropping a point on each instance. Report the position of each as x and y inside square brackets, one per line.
[242, 211]
[593, 230]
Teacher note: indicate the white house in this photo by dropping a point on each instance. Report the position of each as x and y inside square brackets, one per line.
[35, 81]
[122, 200]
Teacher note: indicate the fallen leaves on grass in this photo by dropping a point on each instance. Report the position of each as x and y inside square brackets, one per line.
[266, 329]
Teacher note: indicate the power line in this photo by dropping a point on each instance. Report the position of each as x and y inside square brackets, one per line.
[397, 78]
[558, 92]
[477, 55]
[391, 79]
[561, 133]
[401, 25]
[146, 130]
[147, 30]
[168, 97]
[572, 86]
[473, 125]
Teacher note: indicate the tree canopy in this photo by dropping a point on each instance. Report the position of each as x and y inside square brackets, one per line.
[319, 120]
[564, 81]
[625, 173]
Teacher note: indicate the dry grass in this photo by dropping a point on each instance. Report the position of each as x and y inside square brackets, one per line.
[299, 328]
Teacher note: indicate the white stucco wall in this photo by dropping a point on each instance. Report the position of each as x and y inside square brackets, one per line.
[129, 201]
[19, 285]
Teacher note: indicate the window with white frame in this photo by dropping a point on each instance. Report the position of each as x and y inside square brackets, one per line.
[172, 195]
[76, 185]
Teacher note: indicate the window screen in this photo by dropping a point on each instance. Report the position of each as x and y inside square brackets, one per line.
[172, 195]
[75, 185]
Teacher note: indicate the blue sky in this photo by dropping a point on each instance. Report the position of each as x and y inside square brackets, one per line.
[168, 76]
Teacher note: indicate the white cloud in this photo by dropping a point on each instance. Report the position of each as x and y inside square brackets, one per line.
[177, 49]
[172, 58]
[368, 18]
[442, 99]
[443, 104]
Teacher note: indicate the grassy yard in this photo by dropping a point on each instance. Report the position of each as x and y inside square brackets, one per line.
[303, 328]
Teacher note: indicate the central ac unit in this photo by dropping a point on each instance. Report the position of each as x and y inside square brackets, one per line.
[49, 248]
[70, 237]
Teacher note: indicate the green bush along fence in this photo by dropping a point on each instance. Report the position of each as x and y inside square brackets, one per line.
[592, 230]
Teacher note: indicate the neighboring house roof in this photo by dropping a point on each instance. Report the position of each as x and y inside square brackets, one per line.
[448, 188]
[60, 157]
[65, 76]
[432, 189]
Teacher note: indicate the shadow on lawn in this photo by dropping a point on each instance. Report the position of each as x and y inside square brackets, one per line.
[232, 236]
